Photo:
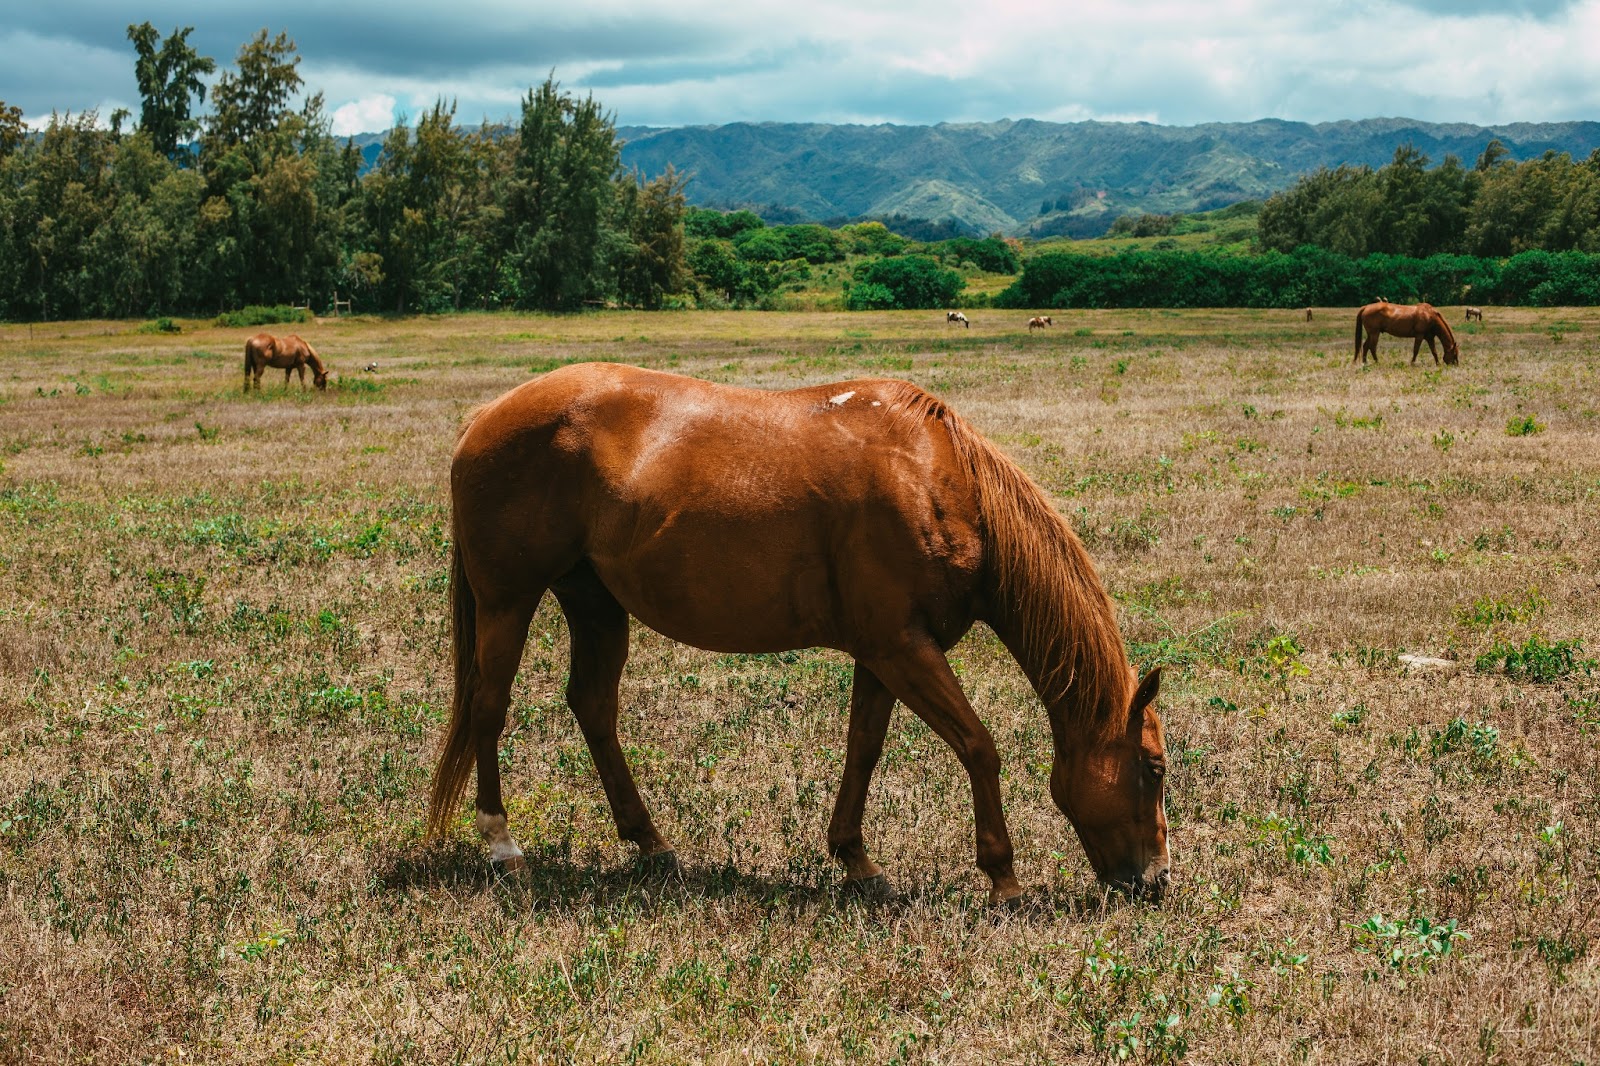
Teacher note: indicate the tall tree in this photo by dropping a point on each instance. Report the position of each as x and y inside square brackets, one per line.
[559, 197]
[12, 129]
[169, 74]
[254, 100]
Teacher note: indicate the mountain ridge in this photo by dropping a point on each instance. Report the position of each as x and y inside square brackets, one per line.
[1031, 177]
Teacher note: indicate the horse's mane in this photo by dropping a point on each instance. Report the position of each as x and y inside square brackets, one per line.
[1042, 580]
[1442, 324]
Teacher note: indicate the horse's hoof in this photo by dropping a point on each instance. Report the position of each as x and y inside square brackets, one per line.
[663, 864]
[872, 889]
[512, 868]
[1012, 903]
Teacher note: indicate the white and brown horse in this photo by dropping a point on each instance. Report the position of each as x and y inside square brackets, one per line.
[956, 316]
[1039, 322]
[1474, 313]
[289, 354]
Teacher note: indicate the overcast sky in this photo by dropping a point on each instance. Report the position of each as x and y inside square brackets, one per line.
[903, 61]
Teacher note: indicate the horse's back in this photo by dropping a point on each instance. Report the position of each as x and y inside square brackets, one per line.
[703, 508]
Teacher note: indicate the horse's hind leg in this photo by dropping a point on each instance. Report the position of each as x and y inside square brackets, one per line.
[599, 629]
[501, 635]
[870, 704]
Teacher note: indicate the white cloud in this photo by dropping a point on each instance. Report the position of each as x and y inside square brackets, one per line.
[909, 61]
[370, 114]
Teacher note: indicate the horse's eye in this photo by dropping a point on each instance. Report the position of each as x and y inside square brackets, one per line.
[1157, 770]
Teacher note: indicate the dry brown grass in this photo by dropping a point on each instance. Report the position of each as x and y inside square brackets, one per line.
[223, 677]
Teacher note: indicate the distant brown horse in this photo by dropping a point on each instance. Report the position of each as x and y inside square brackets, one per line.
[1308, 314]
[1039, 323]
[864, 516]
[1474, 313]
[1417, 321]
[288, 353]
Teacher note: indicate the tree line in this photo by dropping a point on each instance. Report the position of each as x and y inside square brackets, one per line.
[257, 203]
[1496, 209]
[1307, 276]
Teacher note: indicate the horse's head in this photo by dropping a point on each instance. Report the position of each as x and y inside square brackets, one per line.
[1114, 795]
[320, 377]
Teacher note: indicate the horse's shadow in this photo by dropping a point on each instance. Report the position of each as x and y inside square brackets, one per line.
[555, 883]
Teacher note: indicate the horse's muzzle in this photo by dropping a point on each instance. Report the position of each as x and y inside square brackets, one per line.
[1147, 886]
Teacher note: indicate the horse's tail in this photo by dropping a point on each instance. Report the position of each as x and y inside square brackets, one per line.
[457, 757]
[1357, 354]
[247, 361]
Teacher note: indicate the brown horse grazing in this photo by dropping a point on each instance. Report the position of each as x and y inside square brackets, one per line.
[1308, 314]
[864, 516]
[1418, 321]
[1474, 313]
[1038, 323]
[289, 353]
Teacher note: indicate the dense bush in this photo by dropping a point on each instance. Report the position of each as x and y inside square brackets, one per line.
[776, 244]
[707, 224]
[911, 281]
[256, 315]
[993, 254]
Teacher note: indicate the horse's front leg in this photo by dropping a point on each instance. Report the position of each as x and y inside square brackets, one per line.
[921, 677]
[1416, 346]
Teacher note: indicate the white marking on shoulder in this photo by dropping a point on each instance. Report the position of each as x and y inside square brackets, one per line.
[836, 401]
[877, 403]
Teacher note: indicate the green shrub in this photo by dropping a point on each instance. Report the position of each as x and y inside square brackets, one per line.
[256, 315]
[870, 297]
[912, 281]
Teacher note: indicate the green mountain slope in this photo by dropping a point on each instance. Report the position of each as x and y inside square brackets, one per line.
[1042, 178]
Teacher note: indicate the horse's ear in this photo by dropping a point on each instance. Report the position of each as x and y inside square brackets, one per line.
[1146, 693]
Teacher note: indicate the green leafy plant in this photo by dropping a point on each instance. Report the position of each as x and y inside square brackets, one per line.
[1299, 846]
[1523, 426]
[1486, 611]
[1407, 947]
[1536, 660]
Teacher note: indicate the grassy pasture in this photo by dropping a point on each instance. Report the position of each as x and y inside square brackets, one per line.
[223, 678]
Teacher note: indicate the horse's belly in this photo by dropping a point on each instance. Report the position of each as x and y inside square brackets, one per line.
[728, 593]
